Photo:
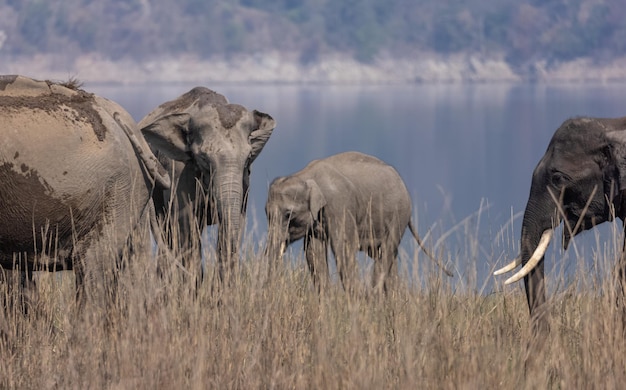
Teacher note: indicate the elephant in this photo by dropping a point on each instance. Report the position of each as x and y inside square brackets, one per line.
[580, 181]
[352, 201]
[208, 146]
[76, 178]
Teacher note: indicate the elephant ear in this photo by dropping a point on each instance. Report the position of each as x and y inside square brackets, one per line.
[617, 155]
[169, 136]
[166, 127]
[264, 125]
[316, 197]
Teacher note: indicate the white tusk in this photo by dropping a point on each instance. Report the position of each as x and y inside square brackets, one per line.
[282, 250]
[535, 259]
[509, 267]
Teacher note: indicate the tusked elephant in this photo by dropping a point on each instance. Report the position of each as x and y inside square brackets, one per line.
[580, 181]
[208, 146]
[76, 177]
[352, 201]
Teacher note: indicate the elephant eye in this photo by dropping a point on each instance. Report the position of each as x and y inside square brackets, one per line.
[559, 179]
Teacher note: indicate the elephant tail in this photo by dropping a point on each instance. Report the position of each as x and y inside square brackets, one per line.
[421, 245]
[152, 164]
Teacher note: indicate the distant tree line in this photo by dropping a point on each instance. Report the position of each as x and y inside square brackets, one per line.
[521, 31]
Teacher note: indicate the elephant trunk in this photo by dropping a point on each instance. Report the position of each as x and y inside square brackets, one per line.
[537, 230]
[229, 207]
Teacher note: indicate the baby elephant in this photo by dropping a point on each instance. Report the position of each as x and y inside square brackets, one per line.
[351, 200]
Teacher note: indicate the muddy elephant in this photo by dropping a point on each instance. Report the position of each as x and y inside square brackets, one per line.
[76, 177]
[208, 147]
[580, 181]
[350, 201]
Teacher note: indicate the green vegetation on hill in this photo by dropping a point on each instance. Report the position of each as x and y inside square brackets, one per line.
[520, 31]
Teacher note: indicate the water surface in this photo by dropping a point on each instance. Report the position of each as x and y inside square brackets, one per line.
[466, 152]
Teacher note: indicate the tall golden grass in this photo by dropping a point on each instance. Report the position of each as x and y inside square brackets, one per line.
[164, 333]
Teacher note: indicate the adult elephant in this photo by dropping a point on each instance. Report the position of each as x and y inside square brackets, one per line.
[352, 201]
[580, 181]
[208, 146]
[76, 178]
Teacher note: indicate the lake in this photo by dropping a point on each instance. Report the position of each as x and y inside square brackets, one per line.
[466, 152]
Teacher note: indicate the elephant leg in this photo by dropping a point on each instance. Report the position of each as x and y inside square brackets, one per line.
[30, 290]
[378, 273]
[391, 281]
[385, 269]
[21, 293]
[79, 282]
[97, 282]
[88, 273]
[317, 259]
[344, 243]
[98, 257]
[346, 266]
[187, 241]
[620, 285]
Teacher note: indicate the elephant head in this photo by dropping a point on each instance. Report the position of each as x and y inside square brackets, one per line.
[293, 208]
[219, 141]
[579, 181]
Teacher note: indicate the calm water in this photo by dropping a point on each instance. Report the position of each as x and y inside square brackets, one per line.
[466, 152]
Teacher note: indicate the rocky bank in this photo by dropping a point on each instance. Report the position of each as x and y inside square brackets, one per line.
[336, 69]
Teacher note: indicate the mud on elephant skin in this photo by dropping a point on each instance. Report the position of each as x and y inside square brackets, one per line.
[74, 177]
[580, 181]
[208, 146]
[350, 201]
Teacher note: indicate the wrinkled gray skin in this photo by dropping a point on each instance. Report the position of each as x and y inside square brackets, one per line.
[208, 146]
[584, 167]
[73, 184]
[352, 201]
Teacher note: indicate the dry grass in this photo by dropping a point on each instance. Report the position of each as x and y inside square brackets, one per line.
[161, 333]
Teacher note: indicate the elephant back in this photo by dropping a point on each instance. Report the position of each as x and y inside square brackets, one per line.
[198, 96]
[376, 182]
[65, 163]
[16, 86]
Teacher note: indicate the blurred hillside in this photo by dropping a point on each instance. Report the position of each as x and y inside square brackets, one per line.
[314, 40]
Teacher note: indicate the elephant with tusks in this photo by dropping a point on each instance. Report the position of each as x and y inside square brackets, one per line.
[581, 182]
[208, 146]
[76, 180]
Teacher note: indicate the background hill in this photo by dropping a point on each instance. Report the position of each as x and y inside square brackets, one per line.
[527, 38]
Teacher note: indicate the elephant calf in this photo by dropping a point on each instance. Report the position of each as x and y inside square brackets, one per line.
[352, 201]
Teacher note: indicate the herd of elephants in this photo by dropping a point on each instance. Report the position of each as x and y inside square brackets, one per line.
[79, 175]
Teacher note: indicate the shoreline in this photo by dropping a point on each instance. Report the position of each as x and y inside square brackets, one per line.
[279, 68]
